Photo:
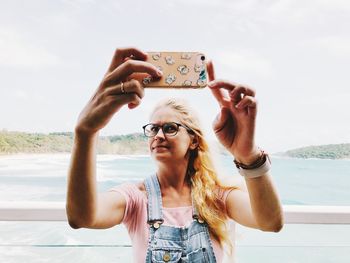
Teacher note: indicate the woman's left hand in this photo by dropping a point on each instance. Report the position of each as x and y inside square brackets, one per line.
[234, 126]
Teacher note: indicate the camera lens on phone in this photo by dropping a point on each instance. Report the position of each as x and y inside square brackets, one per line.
[203, 58]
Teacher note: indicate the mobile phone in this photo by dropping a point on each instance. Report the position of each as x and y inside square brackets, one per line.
[180, 70]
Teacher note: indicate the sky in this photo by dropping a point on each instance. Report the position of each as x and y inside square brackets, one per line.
[295, 54]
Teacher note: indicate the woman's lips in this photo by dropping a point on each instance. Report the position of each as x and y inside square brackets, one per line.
[160, 147]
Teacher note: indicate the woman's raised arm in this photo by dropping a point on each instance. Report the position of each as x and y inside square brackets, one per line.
[84, 207]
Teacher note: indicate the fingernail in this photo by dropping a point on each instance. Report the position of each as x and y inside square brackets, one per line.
[159, 73]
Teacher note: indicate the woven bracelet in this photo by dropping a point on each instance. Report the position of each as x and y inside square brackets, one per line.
[258, 168]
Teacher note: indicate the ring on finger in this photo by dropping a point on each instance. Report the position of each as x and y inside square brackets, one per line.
[122, 88]
[244, 92]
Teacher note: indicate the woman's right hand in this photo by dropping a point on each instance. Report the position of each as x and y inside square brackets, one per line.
[109, 96]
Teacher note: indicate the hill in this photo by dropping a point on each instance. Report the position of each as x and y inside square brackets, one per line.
[61, 142]
[329, 151]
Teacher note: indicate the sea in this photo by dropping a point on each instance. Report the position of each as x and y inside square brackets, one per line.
[43, 177]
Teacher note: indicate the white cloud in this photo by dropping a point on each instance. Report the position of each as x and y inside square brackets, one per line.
[335, 45]
[336, 100]
[79, 3]
[17, 51]
[334, 4]
[286, 16]
[246, 61]
[29, 98]
[20, 94]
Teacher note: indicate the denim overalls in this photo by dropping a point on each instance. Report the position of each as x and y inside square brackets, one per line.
[175, 244]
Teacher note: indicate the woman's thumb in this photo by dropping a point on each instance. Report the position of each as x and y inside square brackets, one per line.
[220, 120]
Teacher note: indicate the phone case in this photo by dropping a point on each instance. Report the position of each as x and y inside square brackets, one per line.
[180, 70]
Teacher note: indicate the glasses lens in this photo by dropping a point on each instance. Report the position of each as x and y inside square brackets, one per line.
[151, 130]
[170, 128]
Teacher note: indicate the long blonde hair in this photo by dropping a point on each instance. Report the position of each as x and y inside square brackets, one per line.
[201, 175]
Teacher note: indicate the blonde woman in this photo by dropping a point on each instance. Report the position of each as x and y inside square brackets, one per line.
[179, 214]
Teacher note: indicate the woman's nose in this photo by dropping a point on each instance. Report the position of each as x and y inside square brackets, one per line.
[159, 134]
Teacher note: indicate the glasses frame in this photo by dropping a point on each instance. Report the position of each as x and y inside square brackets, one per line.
[178, 125]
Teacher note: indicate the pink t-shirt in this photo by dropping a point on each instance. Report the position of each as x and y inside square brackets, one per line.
[135, 220]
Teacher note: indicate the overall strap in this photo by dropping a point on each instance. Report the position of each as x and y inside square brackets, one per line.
[195, 214]
[154, 203]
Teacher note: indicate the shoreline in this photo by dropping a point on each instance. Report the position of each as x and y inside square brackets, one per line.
[111, 155]
[65, 154]
[277, 156]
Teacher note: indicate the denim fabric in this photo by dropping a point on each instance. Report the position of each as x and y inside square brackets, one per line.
[175, 244]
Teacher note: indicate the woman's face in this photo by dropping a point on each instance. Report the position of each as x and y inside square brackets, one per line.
[169, 148]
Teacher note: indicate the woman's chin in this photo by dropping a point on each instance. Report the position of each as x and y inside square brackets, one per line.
[161, 156]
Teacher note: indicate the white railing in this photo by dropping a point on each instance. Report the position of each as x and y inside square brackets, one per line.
[55, 211]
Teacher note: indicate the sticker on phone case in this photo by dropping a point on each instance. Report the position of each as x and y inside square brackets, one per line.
[186, 56]
[183, 69]
[202, 78]
[156, 56]
[187, 83]
[200, 82]
[198, 68]
[147, 80]
[169, 60]
[202, 74]
[170, 79]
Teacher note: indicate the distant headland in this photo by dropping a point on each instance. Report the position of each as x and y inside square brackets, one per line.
[329, 151]
[12, 142]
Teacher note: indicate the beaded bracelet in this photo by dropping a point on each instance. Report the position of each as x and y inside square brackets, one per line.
[258, 168]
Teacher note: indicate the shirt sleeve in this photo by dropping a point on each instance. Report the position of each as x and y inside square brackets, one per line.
[222, 195]
[133, 198]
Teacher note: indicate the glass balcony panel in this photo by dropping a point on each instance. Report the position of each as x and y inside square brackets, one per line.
[57, 242]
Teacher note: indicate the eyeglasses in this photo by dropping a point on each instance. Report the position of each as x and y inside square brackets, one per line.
[168, 128]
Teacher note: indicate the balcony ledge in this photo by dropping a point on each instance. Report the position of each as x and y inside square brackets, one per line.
[56, 211]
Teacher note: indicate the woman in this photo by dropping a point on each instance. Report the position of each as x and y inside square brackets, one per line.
[178, 214]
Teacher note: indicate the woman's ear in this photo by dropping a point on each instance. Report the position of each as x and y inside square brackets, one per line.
[194, 143]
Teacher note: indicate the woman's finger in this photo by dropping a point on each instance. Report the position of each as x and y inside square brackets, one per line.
[240, 92]
[131, 86]
[220, 121]
[134, 103]
[220, 83]
[132, 99]
[247, 101]
[129, 67]
[114, 103]
[231, 87]
[218, 93]
[245, 90]
[123, 53]
[210, 70]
